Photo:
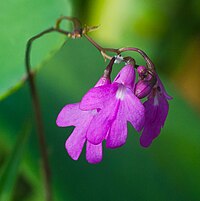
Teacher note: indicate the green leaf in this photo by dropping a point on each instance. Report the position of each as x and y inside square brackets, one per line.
[10, 172]
[20, 20]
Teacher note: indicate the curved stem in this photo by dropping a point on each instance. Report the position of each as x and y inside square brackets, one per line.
[103, 51]
[37, 110]
[38, 118]
[76, 23]
[150, 64]
[108, 70]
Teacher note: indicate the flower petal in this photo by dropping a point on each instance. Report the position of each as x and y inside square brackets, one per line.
[149, 133]
[97, 96]
[75, 143]
[93, 152]
[102, 81]
[163, 108]
[118, 132]
[134, 110]
[167, 96]
[155, 118]
[156, 109]
[126, 76]
[71, 115]
[101, 123]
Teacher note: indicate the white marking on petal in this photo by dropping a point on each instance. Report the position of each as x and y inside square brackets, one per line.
[156, 102]
[121, 92]
[93, 112]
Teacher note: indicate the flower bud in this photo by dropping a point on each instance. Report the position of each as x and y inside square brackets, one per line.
[141, 71]
[144, 87]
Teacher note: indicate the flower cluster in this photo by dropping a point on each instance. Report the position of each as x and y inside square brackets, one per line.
[105, 109]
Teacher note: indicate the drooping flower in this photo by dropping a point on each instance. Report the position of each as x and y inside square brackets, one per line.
[71, 115]
[156, 110]
[117, 104]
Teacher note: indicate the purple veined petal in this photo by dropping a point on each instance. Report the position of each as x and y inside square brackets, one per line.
[135, 112]
[152, 126]
[156, 112]
[149, 134]
[163, 108]
[70, 115]
[156, 108]
[118, 131]
[151, 109]
[101, 123]
[160, 84]
[97, 96]
[93, 152]
[126, 76]
[75, 142]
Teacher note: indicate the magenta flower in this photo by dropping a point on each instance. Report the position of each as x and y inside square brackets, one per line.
[104, 111]
[117, 104]
[71, 115]
[156, 110]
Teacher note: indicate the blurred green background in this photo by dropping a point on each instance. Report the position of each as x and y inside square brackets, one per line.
[168, 31]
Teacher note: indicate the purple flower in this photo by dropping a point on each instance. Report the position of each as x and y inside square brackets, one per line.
[117, 104]
[71, 115]
[104, 111]
[156, 110]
